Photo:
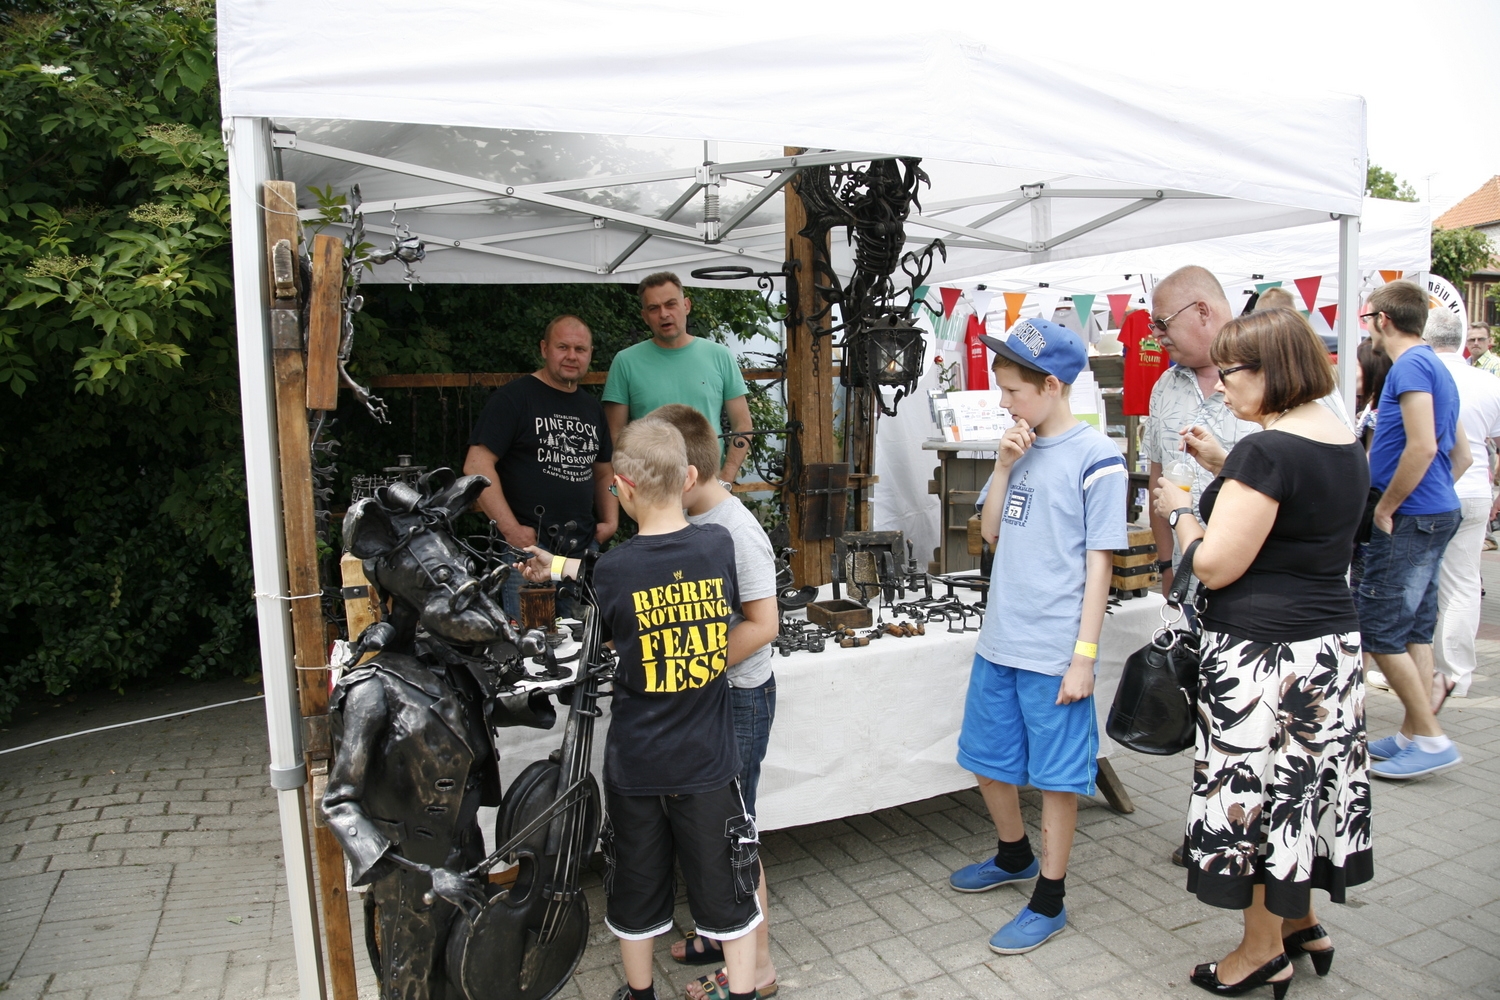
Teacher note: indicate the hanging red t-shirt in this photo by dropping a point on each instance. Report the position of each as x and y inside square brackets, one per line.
[1145, 360]
[977, 376]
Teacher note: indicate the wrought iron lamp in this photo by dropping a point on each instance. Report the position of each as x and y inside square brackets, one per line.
[887, 353]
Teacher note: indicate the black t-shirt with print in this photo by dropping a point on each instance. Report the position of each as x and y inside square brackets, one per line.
[666, 602]
[546, 442]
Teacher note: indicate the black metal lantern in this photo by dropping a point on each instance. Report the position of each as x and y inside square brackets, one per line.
[887, 353]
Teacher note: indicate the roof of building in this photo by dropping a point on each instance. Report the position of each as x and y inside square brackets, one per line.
[1478, 209]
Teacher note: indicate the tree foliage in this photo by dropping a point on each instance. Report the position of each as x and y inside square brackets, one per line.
[1380, 183]
[1458, 253]
[122, 497]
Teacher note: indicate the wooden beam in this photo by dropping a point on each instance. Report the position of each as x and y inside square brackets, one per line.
[809, 392]
[307, 606]
[325, 309]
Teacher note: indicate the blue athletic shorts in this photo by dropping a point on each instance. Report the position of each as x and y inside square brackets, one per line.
[1014, 731]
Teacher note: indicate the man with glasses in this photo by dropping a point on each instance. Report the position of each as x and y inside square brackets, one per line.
[1419, 451]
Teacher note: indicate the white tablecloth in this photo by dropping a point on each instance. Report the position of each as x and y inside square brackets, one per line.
[863, 729]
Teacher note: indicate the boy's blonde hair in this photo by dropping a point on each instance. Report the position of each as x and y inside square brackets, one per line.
[697, 435]
[651, 454]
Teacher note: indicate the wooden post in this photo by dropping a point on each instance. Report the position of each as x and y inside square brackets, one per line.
[809, 393]
[324, 323]
[300, 528]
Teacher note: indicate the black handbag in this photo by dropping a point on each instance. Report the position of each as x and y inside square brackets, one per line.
[1155, 706]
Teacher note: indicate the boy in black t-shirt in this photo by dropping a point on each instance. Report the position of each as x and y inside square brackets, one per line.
[671, 762]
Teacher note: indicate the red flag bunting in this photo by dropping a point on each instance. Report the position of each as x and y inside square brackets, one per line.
[950, 299]
[1117, 304]
[1330, 313]
[1309, 289]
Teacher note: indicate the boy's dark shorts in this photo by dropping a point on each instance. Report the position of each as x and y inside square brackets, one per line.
[713, 840]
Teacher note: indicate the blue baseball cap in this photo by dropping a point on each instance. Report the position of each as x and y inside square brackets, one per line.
[1042, 346]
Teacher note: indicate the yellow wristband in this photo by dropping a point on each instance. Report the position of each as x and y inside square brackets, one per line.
[1089, 649]
[559, 563]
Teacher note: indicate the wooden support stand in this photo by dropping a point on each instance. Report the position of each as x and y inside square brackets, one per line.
[809, 395]
[310, 654]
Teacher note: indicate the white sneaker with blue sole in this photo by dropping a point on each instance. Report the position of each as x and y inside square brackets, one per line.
[987, 875]
[1028, 931]
[1414, 762]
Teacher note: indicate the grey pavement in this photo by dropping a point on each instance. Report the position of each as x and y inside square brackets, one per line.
[145, 862]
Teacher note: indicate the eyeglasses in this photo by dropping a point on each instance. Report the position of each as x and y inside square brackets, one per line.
[614, 490]
[1365, 316]
[1160, 325]
[1224, 373]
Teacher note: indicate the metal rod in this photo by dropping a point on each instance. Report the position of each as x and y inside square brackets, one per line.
[760, 198]
[1103, 220]
[666, 216]
[1347, 318]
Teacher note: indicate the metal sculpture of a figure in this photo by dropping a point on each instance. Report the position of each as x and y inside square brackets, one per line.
[414, 757]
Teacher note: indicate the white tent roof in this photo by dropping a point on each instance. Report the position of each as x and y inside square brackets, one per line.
[502, 115]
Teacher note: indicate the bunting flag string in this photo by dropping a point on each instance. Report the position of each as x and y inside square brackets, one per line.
[1083, 305]
[1117, 304]
[1261, 286]
[1330, 313]
[950, 299]
[1045, 303]
[919, 295]
[1390, 276]
[1309, 289]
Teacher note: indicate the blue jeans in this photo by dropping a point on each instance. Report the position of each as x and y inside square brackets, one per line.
[1398, 594]
[754, 711]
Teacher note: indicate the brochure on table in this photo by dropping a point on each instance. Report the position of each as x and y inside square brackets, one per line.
[978, 415]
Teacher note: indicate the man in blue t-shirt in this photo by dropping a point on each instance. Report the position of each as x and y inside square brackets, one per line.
[1419, 451]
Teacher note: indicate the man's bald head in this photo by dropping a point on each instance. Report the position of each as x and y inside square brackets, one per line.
[1193, 304]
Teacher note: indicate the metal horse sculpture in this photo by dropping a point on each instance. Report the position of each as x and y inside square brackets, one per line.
[415, 756]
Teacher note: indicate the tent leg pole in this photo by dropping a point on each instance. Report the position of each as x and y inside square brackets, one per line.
[248, 143]
[1348, 331]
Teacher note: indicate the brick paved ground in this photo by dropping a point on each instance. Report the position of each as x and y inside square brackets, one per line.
[145, 862]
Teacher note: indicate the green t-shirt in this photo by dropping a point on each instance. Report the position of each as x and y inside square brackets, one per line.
[701, 374]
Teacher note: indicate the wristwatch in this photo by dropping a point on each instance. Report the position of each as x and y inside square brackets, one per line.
[1172, 517]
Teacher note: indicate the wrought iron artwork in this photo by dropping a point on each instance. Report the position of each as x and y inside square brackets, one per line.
[415, 758]
[882, 344]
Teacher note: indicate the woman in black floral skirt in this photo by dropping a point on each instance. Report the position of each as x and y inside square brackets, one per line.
[1281, 801]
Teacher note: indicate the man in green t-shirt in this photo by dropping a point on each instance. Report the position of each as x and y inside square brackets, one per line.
[676, 367]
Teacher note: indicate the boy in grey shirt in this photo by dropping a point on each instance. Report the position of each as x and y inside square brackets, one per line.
[751, 682]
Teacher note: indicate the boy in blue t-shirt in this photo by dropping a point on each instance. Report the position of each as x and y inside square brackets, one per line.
[1055, 510]
[1419, 451]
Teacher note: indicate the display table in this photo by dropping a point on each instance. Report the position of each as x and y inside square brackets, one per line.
[863, 729]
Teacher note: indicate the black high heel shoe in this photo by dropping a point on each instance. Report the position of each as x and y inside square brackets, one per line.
[1293, 944]
[1206, 976]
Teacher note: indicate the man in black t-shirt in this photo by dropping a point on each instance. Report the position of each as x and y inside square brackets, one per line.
[545, 445]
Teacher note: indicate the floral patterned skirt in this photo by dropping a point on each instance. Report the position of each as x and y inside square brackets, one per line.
[1280, 790]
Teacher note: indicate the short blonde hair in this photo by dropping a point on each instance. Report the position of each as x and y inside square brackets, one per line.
[697, 434]
[1275, 298]
[651, 454]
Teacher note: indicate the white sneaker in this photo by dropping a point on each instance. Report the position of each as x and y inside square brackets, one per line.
[1375, 679]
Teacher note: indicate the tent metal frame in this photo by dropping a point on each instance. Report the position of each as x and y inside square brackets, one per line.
[711, 237]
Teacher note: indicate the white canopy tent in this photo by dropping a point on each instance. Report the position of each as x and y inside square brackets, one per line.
[542, 148]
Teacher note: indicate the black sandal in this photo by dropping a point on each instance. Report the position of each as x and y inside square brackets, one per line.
[706, 952]
[1293, 945]
[1206, 976]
